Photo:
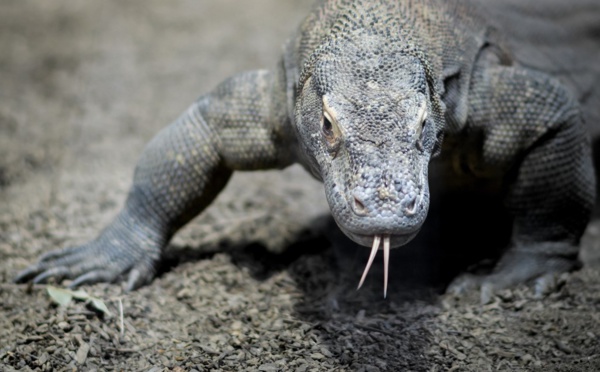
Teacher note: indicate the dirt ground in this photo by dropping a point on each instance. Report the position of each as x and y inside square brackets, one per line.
[252, 284]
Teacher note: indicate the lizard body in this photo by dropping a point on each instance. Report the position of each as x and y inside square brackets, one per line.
[366, 95]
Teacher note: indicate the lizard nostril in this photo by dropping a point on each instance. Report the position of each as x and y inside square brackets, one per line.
[411, 207]
[358, 206]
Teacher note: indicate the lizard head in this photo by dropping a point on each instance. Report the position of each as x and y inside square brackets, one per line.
[368, 127]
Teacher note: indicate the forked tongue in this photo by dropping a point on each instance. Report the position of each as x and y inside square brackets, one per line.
[386, 260]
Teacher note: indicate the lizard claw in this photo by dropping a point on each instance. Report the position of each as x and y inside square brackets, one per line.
[546, 284]
[27, 274]
[140, 275]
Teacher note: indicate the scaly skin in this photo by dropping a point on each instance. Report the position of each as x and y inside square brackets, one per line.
[363, 98]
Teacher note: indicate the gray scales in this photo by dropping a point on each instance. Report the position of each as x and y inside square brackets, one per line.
[375, 99]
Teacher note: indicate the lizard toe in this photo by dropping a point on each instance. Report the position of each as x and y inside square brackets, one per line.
[56, 254]
[58, 273]
[46, 262]
[91, 277]
[464, 283]
[57, 264]
[29, 273]
[546, 284]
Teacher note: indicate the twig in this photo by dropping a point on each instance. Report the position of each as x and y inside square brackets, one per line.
[121, 322]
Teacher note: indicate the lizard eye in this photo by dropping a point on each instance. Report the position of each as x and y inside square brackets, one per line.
[327, 128]
[421, 128]
[421, 132]
[330, 130]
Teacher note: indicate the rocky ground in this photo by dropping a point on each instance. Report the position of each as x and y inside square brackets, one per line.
[253, 283]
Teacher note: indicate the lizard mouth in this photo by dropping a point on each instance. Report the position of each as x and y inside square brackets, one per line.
[396, 240]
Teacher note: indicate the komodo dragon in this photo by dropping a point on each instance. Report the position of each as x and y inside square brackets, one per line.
[367, 93]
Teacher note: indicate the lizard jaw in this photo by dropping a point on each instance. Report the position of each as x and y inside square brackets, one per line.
[396, 240]
[386, 260]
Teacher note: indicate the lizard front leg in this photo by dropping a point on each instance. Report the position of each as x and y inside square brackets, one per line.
[240, 125]
[533, 134]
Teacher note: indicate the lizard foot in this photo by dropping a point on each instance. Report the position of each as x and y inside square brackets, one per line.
[517, 267]
[108, 258]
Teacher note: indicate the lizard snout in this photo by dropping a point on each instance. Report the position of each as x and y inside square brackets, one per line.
[384, 200]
